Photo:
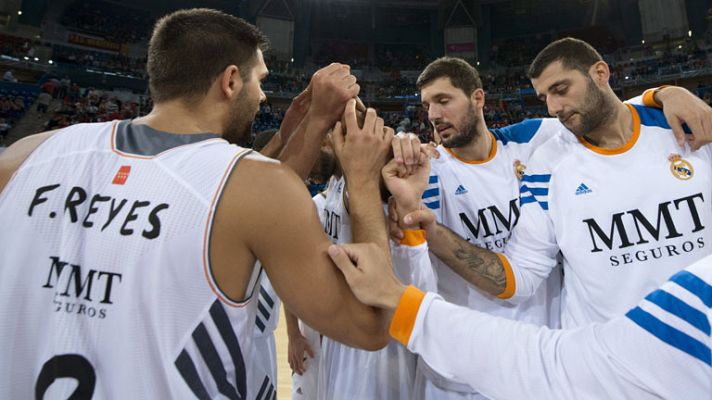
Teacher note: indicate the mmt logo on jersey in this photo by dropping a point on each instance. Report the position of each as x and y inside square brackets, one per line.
[489, 222]
[633, 228]
[75, 287]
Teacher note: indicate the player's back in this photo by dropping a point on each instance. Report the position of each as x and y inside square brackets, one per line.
[106, 275]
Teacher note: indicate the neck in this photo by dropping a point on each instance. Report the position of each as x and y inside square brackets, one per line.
[616, 131]
[177, 117]
[479, 149]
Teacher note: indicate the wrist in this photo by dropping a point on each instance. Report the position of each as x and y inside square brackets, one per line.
[361, 181]
[393, 296]
[294, 333]
[318, 122]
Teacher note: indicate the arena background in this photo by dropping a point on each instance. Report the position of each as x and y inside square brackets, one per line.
[70, 61]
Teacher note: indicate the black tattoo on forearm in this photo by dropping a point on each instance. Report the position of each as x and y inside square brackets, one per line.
[476, 265]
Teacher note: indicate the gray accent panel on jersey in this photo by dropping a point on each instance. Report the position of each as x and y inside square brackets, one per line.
[143, 140]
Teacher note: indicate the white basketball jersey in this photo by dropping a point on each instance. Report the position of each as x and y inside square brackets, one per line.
[625, 219]
[106, 277]
[479, 201]
[304, 386]
[348, 373]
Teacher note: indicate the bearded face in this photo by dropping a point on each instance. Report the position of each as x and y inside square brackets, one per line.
[463, 131]
[244, 108]
[592, 112]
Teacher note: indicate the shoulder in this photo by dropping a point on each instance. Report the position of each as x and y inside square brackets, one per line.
[532, 131]
[15, 155]
[552, 153]
[650, 116]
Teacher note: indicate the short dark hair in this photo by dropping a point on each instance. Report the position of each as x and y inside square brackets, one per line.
[462, 75]
[573, 54]
[189, 48]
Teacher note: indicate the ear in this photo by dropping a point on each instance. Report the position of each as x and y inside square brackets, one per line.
[231, 81]
[478, 98]
[600, 73]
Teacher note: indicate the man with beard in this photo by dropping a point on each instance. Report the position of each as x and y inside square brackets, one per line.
[474, 190]
[615, 193]
[131, 263]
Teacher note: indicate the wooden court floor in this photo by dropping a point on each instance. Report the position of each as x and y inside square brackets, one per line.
[284, 373]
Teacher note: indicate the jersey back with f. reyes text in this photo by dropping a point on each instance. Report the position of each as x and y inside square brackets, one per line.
[106, 288]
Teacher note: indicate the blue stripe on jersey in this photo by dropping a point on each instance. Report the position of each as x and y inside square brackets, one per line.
[527, 200]
[433, 179]
[433, 205]
[694, 285]
[536, 191]
[431, 193]
[650, 116]
[521, 132]
[670, 335]
[544, 205]
[545, 178]
[677, 307]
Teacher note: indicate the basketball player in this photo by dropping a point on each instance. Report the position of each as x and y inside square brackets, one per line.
[659, 349]
[474, 191]
[131, 262]
[595, 193]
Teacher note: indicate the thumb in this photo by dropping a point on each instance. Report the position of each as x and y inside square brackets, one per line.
[341, 259]
[421, 217]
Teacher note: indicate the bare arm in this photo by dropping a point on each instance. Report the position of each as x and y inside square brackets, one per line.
[15, 155]
[329, 90]
[266, 214]
[298, 346]
[478, 266]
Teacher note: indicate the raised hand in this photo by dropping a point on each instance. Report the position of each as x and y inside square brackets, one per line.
[331, 87]
[361, 151]
[680, 106]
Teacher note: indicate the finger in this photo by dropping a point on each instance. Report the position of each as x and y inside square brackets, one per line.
[397, 151]
[392, 210]
[337, 136]
[378, 130]
[395, 232]
[678, 132]
[355, 90]
[407, 151]
[703, 136]
[421, 217]
[415, 147]
[299, 365]
[359, 105]
[370, 121]
[388, 133]
[350, 116]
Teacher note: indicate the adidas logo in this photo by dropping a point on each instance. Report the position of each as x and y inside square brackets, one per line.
[583, 189]
[460, 190]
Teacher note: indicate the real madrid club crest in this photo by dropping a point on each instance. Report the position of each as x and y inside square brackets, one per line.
[680, 168]
[519, 169]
